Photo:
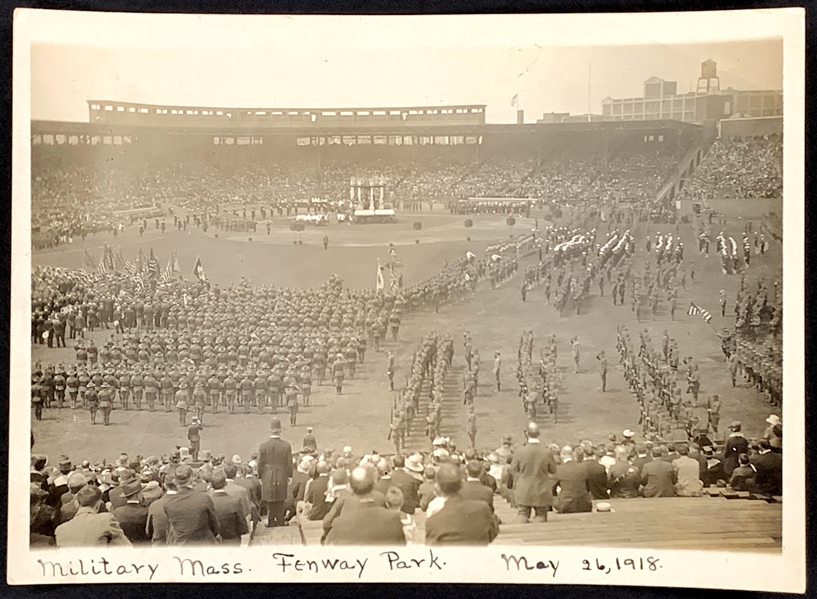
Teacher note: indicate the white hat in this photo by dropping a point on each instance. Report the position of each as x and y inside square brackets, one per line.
[603, 506]
[414, 463]
[347, 449]
[628, 433]
[773, 419]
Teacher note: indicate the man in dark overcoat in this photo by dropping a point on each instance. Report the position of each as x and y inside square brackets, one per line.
[275, 470]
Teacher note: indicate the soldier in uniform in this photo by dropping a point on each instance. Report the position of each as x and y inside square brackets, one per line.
[230, 387]
[260, 385]
[92, 400]
[151, 389]
[214, 391]
[72, 387]
[306, 384]
[106, 402]
[199, 397]
[291, 393]
[398, 431]
[182, 403]
[59, 385]
[497, 367]
[246, 387]
[319, 361]
[137, 386]
[471, 427]
[338, 373]
[390, 370]
[602, 370]
[124, 388]
[166, 383]
[194, 436]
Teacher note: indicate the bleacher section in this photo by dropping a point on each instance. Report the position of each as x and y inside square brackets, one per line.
[706, 523]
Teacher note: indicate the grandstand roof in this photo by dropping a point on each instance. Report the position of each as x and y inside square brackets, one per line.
[78, 128]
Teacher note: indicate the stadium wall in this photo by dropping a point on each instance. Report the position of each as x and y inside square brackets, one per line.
[751, 127]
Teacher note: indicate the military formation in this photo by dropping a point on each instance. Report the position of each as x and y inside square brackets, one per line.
[429, 366]
[538, 383]
[662, 383]
[187, 347]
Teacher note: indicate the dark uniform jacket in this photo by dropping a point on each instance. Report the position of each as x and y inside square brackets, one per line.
[367, 524]
[574, 488]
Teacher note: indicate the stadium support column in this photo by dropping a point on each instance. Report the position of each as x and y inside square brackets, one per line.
[371, 195]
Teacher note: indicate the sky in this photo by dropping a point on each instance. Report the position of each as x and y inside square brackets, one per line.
[552, 63]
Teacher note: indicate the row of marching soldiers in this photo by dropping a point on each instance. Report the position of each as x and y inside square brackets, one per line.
[652, 375]
[430, 362]
[537, 383]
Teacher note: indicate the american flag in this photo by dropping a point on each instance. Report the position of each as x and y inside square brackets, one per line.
[694, 310]
[154, 270]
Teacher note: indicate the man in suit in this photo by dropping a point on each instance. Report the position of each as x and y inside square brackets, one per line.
[736, 444]
[69, 506]
[237, 491]
[473, 488]
[368, 523]
[658, 476]
[275, 470]
[404, 481]
[89, 528]
[316, 494]
[232, 523]
[769, 469]
[115, 495]
[156, 526]
[191, 514]
[133, 516]
[460, 521]
[297, 488]
[532, 467]
[572, 484]
[596, 474]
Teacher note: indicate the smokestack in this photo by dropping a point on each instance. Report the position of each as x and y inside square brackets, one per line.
[520, 117]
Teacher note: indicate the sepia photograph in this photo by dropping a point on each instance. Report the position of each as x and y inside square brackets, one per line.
[408, 298]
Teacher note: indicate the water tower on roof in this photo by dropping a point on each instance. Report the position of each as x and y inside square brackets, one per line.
[708, 82]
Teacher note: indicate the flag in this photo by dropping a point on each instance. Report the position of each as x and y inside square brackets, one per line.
[153, 267]
[697, 311]
[515, 100]
[88, 261]
[380, 282]
[198, 270]
[393, 285]
[140, 262]
[167, 274]
[176, 268]
[105, 261]
[117, 261]
[130, 268]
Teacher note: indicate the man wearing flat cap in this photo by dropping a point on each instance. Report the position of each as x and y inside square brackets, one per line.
[275, 470]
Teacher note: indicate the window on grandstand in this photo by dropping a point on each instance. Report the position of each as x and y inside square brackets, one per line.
[109, 108]
[364, 140]
[408, 140]
[349, 140]
[303, 141]
[107, 140]
[120, 109]
[678, 116]
[666, 106]
[73, 140]
[219, 113]
[216, 141]
[127, 139]
[441, 140]
[229, 141]
[60, 139]
[607, 110]
[660, 138]
[617, 108]
[96, 140]
[36, 139]
[48, 139]
[380, 140]
[628, 108]
[457, 140]
[638, 106]
[174, 111]
[243, 141]
[470, 140]
[131, 109]
[334, 140]
[258, 141]
[117, 140]
[689, 116]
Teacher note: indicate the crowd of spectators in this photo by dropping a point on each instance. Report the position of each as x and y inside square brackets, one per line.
[750, 167]
[136, 494]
